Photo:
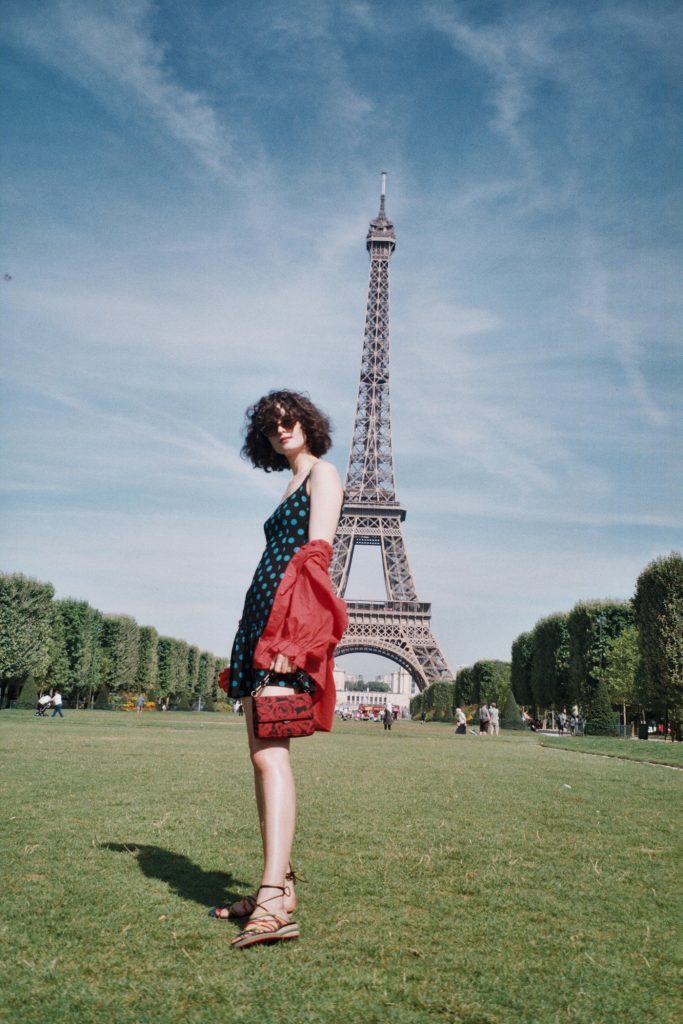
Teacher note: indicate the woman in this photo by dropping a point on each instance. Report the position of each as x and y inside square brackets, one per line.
[291, 621]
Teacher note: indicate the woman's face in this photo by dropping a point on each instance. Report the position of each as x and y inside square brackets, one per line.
[287, 436]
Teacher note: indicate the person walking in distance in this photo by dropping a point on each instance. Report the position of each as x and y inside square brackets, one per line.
[484, 718]
[494, 719]
[57, 704]
[387, 718]
[285, 641]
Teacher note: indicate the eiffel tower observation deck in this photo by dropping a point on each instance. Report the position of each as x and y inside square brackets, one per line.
[398, 628]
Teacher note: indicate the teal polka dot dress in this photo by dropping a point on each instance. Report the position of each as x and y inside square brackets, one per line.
[286, 530]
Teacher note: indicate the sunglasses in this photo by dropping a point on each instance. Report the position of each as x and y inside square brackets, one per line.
[270, 426]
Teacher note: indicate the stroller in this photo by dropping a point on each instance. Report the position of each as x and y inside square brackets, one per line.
[42, 705]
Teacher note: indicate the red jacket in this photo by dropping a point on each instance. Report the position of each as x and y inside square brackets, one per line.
[306, 623]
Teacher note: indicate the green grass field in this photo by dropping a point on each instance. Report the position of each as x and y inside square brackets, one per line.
[656, 751]
[451, 879]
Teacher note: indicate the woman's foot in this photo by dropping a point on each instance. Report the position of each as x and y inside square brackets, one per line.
[265, 928]
[246, 905]
[243, 907]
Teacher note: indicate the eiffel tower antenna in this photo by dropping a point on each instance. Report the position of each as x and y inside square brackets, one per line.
[398, 628]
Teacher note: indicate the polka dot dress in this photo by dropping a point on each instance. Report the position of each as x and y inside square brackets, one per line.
[286, 530]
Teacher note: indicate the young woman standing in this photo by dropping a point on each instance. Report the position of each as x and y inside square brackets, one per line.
[290, 626]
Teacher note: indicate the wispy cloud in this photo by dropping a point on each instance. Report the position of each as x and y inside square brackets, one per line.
[109, 47]
[518, 52]
[622, 333]
[311, 30]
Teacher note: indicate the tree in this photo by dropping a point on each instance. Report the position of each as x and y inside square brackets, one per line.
[599, 716]
[592, 626]
[120, 645]
[82, 630]
[491, 681]
[26, 620]
[172, 657]
[57, 671]
[658, 606]
[437, 700]
[145, 681]
[464, 687]
[205, 674]
[550, 684]
[623, 672]
[520, 676]
[192, 670]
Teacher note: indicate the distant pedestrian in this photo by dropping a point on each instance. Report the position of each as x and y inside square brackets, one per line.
[423, 718]
[484, 718]
[460, 722]
[494, 719]
[387, 718]
[561, 722]
[573, 722]
[140, 704]
[57, 704]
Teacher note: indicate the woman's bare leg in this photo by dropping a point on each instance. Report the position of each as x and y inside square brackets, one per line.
[276, 803]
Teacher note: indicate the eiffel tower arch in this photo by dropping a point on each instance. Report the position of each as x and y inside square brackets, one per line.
[398, 628]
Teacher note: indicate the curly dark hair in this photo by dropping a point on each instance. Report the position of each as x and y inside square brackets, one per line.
[276, 407]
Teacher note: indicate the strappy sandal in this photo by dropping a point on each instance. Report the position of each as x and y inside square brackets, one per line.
[246, 905]
[266, 928]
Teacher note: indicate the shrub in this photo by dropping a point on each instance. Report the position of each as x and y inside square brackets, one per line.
[511, 717]
[600, 719]
[29, 693]
[102, 699]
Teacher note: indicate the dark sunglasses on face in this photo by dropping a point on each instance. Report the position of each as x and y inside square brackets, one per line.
[270, 427]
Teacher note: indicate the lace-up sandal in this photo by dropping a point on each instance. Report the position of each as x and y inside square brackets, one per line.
[246, 905]
[266, 928]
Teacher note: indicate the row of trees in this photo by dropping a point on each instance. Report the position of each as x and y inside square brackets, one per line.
[91, 656]
[600, 655]
[483, 682]
[605, 654]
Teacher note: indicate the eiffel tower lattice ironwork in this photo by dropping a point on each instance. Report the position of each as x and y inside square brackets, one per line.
[398, 628]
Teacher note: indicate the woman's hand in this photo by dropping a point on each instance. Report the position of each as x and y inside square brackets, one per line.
[281, 663]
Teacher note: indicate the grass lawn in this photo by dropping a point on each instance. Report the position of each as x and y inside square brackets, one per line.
[451, 879]
[635, 750]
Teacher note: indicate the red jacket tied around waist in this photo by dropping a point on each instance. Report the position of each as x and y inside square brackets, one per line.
[305, 624]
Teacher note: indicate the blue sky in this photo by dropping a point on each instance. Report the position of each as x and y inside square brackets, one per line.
[186, 191]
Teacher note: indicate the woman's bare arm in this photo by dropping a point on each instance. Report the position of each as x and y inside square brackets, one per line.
[327, 496]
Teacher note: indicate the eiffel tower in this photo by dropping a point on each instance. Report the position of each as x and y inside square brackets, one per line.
[398, 628]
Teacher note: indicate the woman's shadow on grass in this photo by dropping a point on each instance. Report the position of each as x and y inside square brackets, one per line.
[188, 880]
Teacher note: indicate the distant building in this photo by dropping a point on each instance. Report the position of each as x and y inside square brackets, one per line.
[402, 688]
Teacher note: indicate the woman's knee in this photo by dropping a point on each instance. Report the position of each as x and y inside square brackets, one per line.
[270, 757]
